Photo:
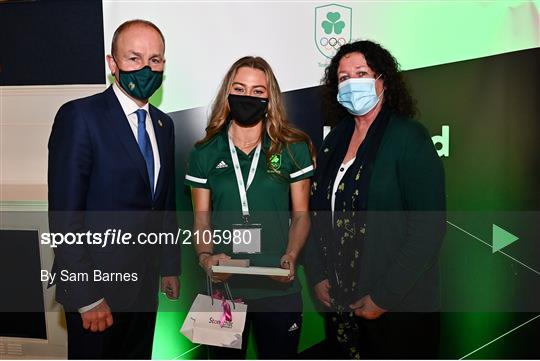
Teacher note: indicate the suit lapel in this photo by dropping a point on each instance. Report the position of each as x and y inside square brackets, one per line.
[120, 124]
[161, 139]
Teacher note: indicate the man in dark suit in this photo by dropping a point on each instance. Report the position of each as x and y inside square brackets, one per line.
[111, 167]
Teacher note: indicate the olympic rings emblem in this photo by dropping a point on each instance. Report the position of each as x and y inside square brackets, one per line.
[331, 43]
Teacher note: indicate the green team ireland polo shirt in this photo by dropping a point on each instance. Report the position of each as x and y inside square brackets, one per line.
[210, 166]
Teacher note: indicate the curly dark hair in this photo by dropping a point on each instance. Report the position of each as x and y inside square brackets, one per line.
[396, 92]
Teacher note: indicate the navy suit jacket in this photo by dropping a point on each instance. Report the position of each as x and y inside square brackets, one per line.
[97, 180]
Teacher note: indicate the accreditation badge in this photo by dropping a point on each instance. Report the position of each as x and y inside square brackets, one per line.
[246, 238]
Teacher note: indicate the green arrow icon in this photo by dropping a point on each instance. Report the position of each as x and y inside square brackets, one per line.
[501, 238]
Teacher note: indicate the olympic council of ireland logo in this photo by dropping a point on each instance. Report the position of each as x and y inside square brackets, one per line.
[275, 162]
[333, 24]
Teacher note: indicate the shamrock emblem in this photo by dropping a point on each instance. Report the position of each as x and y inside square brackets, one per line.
[275, 161]
[333, 23]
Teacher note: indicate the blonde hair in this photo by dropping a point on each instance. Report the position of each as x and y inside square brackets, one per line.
[277, 126]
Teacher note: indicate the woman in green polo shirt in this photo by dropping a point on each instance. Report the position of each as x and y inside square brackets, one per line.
[244, 175]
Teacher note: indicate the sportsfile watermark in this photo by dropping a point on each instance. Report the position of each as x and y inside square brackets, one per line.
[463, 261]
[112, 237]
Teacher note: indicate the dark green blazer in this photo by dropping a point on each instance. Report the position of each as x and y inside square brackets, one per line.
[405, 222]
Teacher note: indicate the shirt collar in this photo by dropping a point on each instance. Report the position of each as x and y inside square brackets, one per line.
[127, 104]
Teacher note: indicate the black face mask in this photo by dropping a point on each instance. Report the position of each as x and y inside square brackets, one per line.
[247, 110]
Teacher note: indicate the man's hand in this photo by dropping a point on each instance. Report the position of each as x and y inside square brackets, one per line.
[170, 286]
[366, 308]
[322, 291]
[98, 319]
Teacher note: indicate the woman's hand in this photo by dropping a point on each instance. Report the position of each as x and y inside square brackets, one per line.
[288, 261]
[322, 291]
[206, 261]
[298, 230]
[366, 308]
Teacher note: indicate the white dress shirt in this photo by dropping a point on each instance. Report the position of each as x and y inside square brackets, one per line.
[130, 107]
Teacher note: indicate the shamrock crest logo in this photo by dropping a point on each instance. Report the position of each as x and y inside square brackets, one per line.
[275, 161]
[333, 23]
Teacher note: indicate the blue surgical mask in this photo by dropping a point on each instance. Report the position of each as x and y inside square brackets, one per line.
[358, 95]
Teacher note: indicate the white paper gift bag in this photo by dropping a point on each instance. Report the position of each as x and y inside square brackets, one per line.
[206, 323]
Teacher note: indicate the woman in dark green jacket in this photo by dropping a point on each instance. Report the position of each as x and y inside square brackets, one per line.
[378, 205]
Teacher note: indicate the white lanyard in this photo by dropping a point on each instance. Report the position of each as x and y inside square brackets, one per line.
[240, 180]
